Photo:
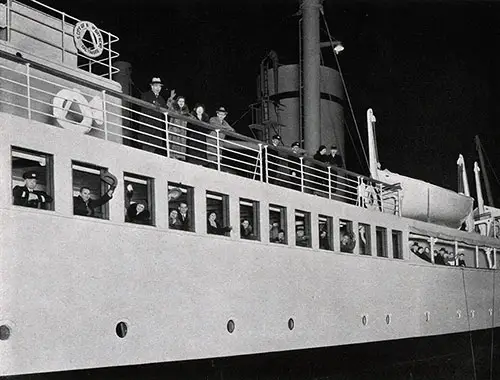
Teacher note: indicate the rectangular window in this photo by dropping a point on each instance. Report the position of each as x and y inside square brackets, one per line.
[397, 244]
[32, 179]
[347, 237]
[249, 219]
[90, 194]
[325, 228]
[302, 228]
[181, 207]
[139, 198]
[277, 224]
[364, 236]
[381, 235]
[218, 214]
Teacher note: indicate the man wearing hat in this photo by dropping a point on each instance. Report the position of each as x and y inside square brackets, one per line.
[273, 160]
[334, 158]
[221, 124]
[154, 127]
[84, 205]
[27, 195]
[294, 166]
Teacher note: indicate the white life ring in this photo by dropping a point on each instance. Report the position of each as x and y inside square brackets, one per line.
[92, 48]
[97, 110]
[61, 104]
[371, 200]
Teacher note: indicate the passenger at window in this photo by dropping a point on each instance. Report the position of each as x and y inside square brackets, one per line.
[246, 231]
[27, 196]
[362, 239]
[137, 211]
[184, 217]
[461, 258]
[213, 226]
[84, 205]
[440, 256]
[281, 238]
[173, 220]
[273, 231]
[301, 239]
[347, 242]
[323, 240]
[196, 137]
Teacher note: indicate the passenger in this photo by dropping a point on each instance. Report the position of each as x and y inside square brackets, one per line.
[219, 123]
[246, 231]
[301, 239]
[196, 137]
[27, 196]
[414, 247]
[295, 167]
[273, 231]
[362, 240]
[461, 258]
[173, 220]
[273, 159]
[335, 160]
[184, 217]
[320, 179]
[177, 129]
[449, 258]
[84, 205]
[323, 240]
[439, 256]
[213, 227]
[137, 212]
[421, 253]
[154, 119]
[347, 242]
[280, 239]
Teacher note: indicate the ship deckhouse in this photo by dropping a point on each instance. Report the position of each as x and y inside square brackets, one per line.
[329, 260]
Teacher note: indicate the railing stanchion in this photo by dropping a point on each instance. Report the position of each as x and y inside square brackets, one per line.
[28, 89]
[329, 171]
[167, 136]
[63, 22]
[9, 18]
[266, 164]
[301, 160]
[217, 141]
[104, 116]
[381, 197]
[109, 57]
[261, 164]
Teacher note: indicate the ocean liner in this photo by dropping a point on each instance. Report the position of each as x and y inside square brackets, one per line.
[371, 277]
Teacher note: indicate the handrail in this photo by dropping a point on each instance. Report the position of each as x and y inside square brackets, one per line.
[132, 121]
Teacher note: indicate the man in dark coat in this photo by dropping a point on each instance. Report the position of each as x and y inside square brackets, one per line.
[295, 167]
[27, 196]
[84, 205]
[335, 160]
[154, 127]
[184, 217]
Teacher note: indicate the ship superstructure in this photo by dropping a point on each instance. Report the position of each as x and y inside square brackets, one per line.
[79, 292]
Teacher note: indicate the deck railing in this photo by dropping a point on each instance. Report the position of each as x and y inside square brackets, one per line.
[125, 120]
[54, 31]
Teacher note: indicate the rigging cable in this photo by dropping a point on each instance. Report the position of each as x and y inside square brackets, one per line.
[345, 87]
[489, 162]
[468, 324]
[492, 327]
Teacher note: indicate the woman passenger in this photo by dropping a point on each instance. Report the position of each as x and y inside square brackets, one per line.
[213, 227]
[196, 137]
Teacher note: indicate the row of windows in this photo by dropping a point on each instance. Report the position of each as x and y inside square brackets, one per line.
[139, 207]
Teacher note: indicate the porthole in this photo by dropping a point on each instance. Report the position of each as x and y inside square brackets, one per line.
[230, 326]
[291, 324]
[4, 332]
[387, 318]
[121, 329]
[364, 320]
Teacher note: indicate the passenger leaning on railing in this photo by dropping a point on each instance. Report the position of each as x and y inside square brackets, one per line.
[319, 180]
[273, 159]
[177, 129]
[219, 123]
[295, 173]
[196, 137]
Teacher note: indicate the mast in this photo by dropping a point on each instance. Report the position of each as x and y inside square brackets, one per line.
[311, 58]
[479, 192]
[483, 169]
[464, 185]
[372, 144]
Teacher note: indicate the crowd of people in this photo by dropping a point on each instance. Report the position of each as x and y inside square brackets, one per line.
[441, 256]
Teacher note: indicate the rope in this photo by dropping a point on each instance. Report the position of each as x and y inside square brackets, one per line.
[492, 327]
[468, 323]
[345, 88]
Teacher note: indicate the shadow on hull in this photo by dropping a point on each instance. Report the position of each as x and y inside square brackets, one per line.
[454, 356]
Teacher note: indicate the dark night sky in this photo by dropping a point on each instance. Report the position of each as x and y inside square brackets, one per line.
[428, 69]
